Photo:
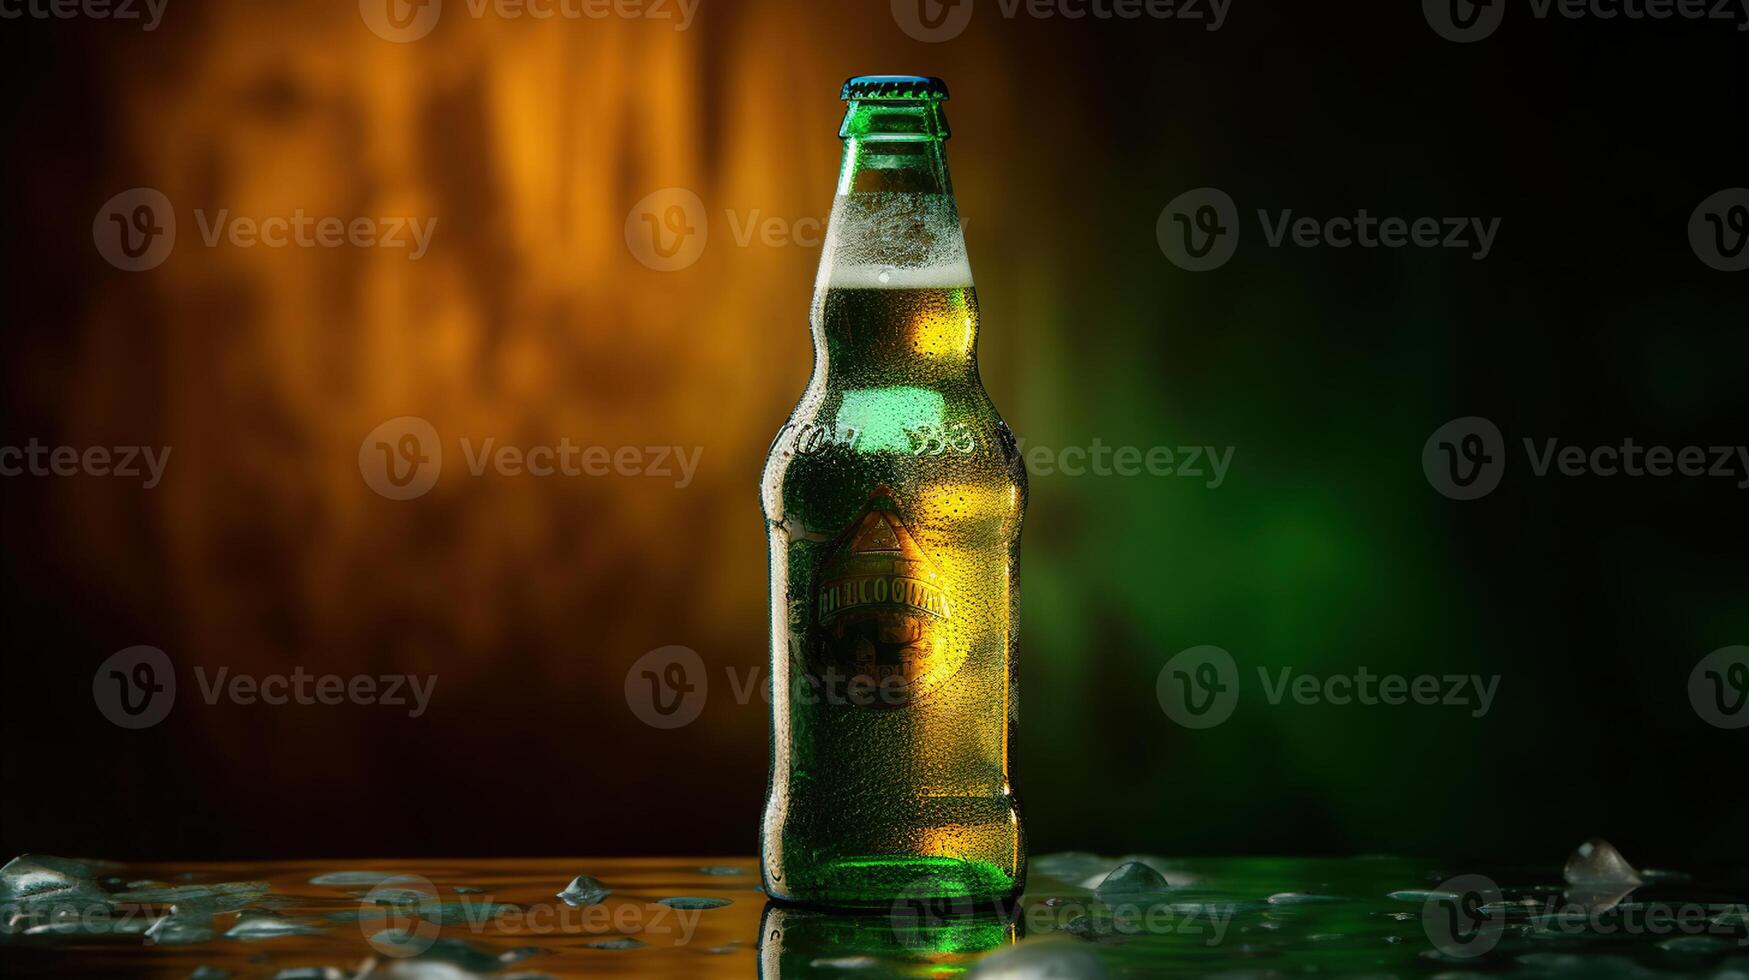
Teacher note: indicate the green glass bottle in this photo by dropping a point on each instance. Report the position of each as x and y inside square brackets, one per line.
[893, 500]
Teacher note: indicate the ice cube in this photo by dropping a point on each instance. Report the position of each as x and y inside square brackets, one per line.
[1597, 861]
[1419, 896]
[623, 942]
[1090, 926]
[1129, 881]
[32, 878]
[692, 902]
[1598, 877]
[255, 924]
[584, 891]
[351, 878]
[180, 929]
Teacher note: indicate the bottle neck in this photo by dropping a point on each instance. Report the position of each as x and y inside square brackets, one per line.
[893, 278]
[895, 146]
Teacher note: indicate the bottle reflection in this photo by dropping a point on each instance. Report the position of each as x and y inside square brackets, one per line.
[916, 937]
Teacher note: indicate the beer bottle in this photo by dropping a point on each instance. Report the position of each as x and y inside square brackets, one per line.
[893, 500]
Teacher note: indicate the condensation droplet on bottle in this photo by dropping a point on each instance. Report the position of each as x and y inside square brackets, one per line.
[885, 275]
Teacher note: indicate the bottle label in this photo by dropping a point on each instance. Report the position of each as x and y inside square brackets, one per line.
[882, 618]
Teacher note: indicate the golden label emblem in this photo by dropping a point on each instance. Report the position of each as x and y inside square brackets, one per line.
[882, 620]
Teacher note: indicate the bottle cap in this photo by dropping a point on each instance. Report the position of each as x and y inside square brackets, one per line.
[894, 88]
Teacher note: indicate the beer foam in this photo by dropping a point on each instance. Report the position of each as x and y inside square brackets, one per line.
[946, 276]
[894, 241]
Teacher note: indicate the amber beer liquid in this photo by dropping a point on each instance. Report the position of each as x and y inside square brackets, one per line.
[893, 500]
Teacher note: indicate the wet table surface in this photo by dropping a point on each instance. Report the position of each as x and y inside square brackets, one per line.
[1082, 916]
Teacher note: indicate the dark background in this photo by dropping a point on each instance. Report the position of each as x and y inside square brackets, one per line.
[1326, 548]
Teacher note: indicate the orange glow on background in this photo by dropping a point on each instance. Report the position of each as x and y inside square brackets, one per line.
[528, 321]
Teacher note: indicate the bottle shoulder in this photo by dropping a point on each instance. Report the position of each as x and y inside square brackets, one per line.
[924, 444]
